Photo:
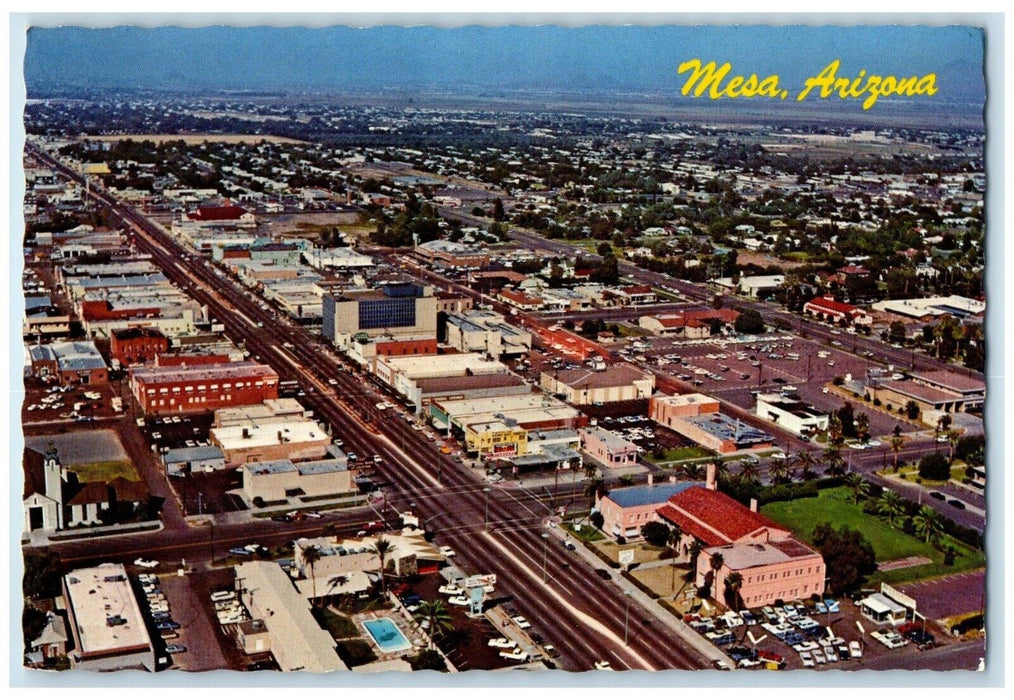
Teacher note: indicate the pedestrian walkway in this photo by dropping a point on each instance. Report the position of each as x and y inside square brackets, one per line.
[684, 631]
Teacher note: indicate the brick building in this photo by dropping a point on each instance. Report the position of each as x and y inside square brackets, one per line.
[202, 388]
[135, 346]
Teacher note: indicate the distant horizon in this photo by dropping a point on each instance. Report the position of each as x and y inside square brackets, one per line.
[568, 61]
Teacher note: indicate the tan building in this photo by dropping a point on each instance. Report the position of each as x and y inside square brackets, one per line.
[295, 439]
[621, 382]
[282, 479]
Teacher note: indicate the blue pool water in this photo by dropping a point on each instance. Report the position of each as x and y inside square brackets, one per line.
[387, 635]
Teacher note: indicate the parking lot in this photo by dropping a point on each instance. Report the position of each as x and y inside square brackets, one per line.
[801, 638]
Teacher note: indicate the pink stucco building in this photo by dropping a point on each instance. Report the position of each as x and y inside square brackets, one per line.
[774, 565]
[625, 511]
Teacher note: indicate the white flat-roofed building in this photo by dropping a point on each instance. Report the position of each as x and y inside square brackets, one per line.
[791, 414]
[342, 258]
[105, 621]
[484, 331]
[529, 411]
[297, 641]
[753, 285]
[282, 479]
[933, 307]
[295, 439]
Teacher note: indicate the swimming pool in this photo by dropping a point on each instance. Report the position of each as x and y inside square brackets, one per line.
[387, 635]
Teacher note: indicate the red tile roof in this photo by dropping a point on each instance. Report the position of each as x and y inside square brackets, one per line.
[832, 305]
[715, 518]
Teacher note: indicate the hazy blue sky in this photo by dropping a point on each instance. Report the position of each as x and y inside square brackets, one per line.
[510, 57]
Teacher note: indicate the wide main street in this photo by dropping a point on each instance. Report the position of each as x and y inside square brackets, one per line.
[493, 530]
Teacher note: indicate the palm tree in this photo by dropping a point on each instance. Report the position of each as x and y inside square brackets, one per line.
[694, 471]
[749, 471]
[953, 436]
[595, 488]
[675, 537]
[437, 616]
[780, 470]
[733, 582]
[889, 504]
[382, 548]
[897, 442]
[860, 489]
[716, 562]
[806, 464]
[862, 422]
[832, 457]
[928, 523]
[311, 555]
[693, 552]
[834, 429]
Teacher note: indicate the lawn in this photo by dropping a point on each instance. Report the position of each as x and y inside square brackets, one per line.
[587, 533]
[660, 579]
[340, 626]
[836, 507]
[105, 471]
[680, 454]
[642, 552]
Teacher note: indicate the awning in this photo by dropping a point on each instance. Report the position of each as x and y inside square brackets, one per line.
[881, 604]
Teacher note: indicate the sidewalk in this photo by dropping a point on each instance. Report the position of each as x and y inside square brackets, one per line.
[682, 630]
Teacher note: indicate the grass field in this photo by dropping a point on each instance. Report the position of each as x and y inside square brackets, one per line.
[105, 471]
[660, 579]
[836, 507]
[679, 454]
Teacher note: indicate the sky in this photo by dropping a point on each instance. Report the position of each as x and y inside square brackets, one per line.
[590, 58]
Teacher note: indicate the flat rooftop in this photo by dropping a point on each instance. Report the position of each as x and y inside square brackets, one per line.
[231, 437]
[230, 370]
[101, 595]
[752, 554]
[614, 375]
[725, 428]
[424, 366]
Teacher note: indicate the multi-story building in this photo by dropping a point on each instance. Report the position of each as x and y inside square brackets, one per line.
[393, 309]
[202, 388]
[135, 346]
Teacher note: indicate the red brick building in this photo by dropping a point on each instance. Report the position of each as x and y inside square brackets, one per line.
[160, 390]
[190, 359]
[135, 346]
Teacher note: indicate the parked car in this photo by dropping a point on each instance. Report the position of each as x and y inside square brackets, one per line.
[175, 648]
[146, 563]
[855, 649]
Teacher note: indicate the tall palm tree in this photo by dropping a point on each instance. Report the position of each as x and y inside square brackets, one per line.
[928, 523]
[382, 548]
[953, 436]
[693, 552]
[889, 504]
[834, 429]
[716, 562]
[897, 442]
[675, 537]
[437, 616]
[733, 583]
[594, 488]
[806, 464]
[860, 488]
[311, 555]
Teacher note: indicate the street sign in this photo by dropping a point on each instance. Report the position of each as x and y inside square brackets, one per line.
[626, 557]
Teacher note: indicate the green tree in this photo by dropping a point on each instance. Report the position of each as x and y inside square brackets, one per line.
[927, 523]
[934, 467]
[860, 487]
[311, 555]
[806, 464]
[437, 618]
[912, 410]
[890, 504]
[43, 569]
[382, 548]
[675, 537]
[896, 334]
[733, 584]
[862, 422]
[897, 443]
[716, 562]
[655, 533]
[833, 459]
[498, 212]
[848, 555]
[749, 322]
[749, 470]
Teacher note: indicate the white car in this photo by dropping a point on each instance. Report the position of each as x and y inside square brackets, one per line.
[855, 649]
[458, 600]
[450, 589]
[522, 622]
[145, 563]
[447, 551]
[502, 643]
[806, 659]
[603, 666]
